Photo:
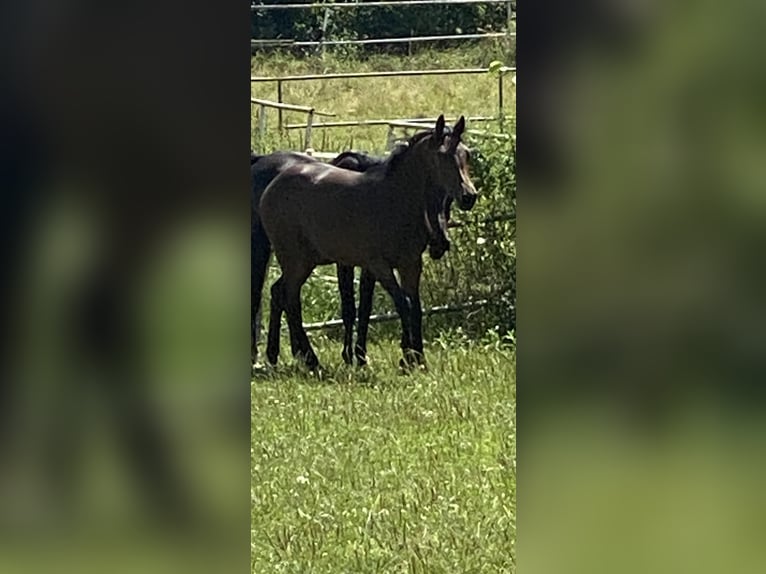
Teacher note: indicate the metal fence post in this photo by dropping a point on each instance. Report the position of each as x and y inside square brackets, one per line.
[390, 138]
[279, 111]
[500, 114]
[309, 125]
[325, 22]
[261, 125]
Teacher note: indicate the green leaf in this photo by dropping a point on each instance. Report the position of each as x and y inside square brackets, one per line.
[495, 66]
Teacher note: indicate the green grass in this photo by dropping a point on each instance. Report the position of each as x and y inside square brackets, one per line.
[374, 471]
[378, 98]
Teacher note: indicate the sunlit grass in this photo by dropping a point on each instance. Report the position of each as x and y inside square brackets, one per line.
[375, 471]
[378, 98]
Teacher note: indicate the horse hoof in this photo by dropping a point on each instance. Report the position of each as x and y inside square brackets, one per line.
[347, 356]
[309, 359]
[361, 356]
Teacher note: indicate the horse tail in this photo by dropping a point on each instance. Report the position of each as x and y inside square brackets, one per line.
[260, 253]
[260, 246]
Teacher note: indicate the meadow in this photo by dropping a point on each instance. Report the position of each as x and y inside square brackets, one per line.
[371, 470]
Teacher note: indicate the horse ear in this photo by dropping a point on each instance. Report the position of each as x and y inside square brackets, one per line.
[439, 130]
[457, 131]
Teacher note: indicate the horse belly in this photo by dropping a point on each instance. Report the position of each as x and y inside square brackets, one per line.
[337, 243]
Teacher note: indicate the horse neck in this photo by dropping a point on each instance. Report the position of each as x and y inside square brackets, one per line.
[411, 177]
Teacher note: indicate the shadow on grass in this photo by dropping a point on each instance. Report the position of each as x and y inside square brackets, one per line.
[384, 373]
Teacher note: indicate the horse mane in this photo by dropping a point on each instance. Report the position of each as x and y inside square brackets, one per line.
[357, 161]
[401, 151]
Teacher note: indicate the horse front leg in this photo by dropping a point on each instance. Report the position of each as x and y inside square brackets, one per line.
[386, 277]
[366, 290]
[410, 278]
[298, 337]
[347, 309]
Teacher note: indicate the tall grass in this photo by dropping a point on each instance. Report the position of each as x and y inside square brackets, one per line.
[369, 471]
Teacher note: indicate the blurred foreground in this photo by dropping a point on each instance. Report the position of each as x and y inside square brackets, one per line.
[643, 218]
[123, 367]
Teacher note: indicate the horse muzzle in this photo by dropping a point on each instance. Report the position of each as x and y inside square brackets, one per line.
[436, 250]
[468, 197]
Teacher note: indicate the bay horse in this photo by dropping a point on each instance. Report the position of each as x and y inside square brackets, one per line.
[316, 214]
[264, 168]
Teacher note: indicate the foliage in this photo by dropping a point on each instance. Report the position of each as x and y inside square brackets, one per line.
[378, 22]
[368, 471]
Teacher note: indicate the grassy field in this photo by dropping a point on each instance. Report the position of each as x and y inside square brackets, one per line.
[369, 470]
[373, 471]
[378, 98]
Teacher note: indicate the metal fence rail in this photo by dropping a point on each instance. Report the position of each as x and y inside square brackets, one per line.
[309, 5]
[395, 316]
[374, 41]
[387, 74]
[351, 123]
[308, 110]
[419, 123]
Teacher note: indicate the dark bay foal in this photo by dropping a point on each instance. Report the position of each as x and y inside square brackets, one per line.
[379, 220]
[263, 170]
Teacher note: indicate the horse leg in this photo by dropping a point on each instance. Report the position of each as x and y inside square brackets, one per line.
[410, 277]
[260, 251]
[436, 221]
[366, 289]
[292, 291]
[347, 308]
[275, 318]
[386, 277]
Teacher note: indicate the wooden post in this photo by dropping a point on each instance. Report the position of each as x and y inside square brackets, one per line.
[279, 111]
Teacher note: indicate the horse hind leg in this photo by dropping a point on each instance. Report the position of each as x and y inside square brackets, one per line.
[366, 289]
[348, 309]
[294, 280]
